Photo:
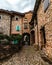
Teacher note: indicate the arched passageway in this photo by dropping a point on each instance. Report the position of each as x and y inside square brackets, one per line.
[26, 38]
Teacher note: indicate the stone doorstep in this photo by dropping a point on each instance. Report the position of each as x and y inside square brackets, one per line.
[45, 58]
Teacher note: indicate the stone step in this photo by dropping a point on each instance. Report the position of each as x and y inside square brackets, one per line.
[44, 56]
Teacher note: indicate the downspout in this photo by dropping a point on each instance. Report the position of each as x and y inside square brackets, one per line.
[10, 24]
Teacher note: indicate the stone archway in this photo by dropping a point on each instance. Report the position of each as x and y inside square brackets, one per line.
[26, 38]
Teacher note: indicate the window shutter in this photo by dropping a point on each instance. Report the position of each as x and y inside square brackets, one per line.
[17, 28]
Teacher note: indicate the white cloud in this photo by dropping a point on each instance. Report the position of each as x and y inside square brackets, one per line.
[17, 5]
[5, 5]
[13, 2]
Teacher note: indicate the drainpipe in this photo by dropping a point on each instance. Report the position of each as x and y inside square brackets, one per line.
[10, 24]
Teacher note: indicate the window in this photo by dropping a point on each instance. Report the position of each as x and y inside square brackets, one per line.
[25, 26]
[46, 4]
[17, 28]
[43, 37]
[17, 18]
[25, 19]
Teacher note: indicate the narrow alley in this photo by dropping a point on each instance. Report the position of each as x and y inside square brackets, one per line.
[27, 56]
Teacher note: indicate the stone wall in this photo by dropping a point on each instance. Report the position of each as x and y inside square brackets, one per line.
[45, 19]
[5, 23]
[48, 32]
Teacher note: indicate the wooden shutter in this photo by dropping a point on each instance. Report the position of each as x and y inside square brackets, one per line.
[17, 28]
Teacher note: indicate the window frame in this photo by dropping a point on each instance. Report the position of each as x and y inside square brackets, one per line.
[16, 18]
[25, 25]
[45, 9]
[25, 19]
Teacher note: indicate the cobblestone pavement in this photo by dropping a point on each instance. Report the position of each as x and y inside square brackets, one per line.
[27, 56]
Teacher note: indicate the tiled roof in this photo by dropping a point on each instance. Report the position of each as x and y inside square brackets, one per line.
[11, 12]
[14, 12]
[5, 11]
[17, 13]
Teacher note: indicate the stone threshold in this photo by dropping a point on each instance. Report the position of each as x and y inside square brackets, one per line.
[45, 57]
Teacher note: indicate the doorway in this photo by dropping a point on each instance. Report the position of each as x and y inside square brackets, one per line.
[26, 38]
[43, 37]
[33, 37]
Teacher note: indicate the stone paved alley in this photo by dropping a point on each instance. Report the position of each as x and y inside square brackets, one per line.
[27, 56]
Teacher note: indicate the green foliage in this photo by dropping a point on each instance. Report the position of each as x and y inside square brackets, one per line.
[11, 38]
[5, 38]
[16, 37]
[1, 36]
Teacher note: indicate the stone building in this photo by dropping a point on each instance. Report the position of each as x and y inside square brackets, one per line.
[42, 19]
[26, 20]
[20, 25]
[25, 24]
[13, 23]
[16, 23]
[20, 22]
[5, 19]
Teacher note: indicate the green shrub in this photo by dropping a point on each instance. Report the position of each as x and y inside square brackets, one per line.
[5, 38]
[11, 37]
[16, 36]
[19, 37]
[1, 36]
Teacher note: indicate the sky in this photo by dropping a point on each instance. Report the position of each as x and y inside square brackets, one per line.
[17, 5]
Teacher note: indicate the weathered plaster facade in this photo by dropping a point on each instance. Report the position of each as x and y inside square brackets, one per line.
[21, 21]
[28, 16]
[16, 23]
